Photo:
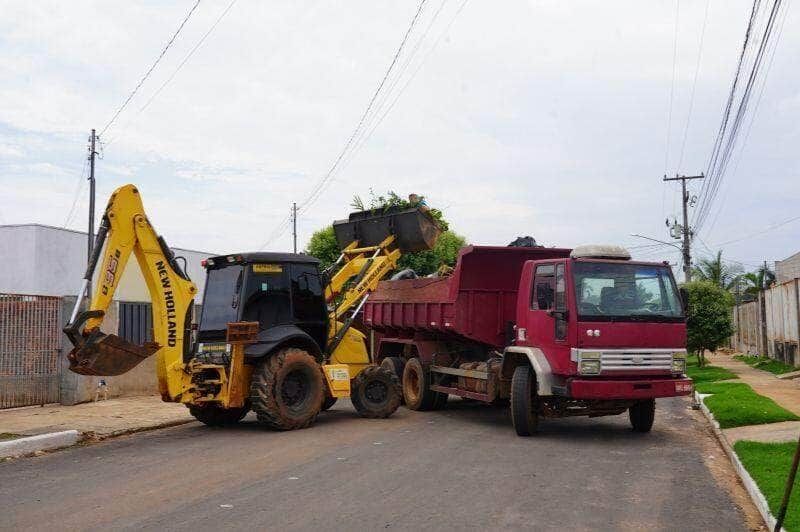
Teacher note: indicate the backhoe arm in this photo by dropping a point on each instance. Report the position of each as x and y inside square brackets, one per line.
[125, 229]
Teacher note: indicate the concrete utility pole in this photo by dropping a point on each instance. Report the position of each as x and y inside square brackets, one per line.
[687, 232]
[294, 226]
[92, 154]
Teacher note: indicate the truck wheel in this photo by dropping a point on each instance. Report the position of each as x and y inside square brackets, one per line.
[287, 390]
[416, 387]
[524, 415]
[396, 365]
[328, 402]
[642, 415]
[439, 401]
[216, 416]
[375, 392]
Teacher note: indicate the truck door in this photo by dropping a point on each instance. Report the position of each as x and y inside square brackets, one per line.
[547, 320]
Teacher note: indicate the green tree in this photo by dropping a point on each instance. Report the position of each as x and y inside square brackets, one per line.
[709, 318]
[717, 271]
[323, 246]
[758, 280]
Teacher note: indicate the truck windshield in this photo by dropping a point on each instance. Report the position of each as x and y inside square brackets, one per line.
[221, 298]
[625, 292]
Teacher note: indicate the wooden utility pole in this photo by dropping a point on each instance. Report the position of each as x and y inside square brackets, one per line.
[92, 154]
[294, 226]
[687, 233]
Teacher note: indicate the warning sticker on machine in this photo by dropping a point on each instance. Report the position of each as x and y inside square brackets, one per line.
[267, 268]
[338, 374]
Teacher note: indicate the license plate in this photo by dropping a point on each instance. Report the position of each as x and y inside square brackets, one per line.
[683, 387]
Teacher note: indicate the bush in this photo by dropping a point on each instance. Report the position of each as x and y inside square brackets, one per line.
[709, 317]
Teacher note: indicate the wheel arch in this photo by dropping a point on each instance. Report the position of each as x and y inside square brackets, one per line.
[274, 339]
[516, 356]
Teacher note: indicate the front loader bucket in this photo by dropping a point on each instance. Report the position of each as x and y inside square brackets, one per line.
[413, 230]
[107, 355]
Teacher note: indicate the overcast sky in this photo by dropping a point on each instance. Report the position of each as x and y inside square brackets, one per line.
[523, 118]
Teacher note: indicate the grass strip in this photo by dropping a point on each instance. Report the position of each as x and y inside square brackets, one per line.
[735, 404]
[768, 464]
[767, 364]
[706, 373]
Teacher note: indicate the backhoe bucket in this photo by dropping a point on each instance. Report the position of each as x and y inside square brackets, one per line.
[100, 354]
[107, 355]
[413, 230]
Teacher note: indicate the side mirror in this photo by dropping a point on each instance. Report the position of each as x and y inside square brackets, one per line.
[684, 299]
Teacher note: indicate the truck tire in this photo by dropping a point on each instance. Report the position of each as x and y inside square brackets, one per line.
[287, 390]
[439, 401]
[375, 392]
[216, 416]
[396, 365]
[524, 414]
[642, 415]
[416, 387]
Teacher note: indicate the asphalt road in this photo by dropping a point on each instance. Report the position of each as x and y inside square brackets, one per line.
[460, 468]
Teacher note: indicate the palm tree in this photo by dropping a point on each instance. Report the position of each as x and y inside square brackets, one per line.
[718, 272]
[758, 280]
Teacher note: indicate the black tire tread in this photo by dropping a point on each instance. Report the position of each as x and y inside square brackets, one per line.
[216, 416]
[362, 378]
[524, 416]
[642, 415]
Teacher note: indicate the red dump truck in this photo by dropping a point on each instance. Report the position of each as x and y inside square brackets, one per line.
[556, 332]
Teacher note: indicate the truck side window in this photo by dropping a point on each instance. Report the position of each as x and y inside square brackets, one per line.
[543, 287]
[561, 302]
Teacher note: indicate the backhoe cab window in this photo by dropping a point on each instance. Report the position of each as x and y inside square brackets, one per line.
[221, 297]
[625, 292]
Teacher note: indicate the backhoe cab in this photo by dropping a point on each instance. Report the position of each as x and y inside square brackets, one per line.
[275, 334]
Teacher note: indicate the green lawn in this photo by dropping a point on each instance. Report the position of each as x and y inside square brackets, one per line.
[768, 464]
[767, 364]
[706, 373]
[735, 404]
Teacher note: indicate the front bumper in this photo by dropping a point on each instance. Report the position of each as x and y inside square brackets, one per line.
[581, 388]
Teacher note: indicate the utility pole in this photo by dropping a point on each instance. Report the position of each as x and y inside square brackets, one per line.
[687, 232]
[92, 154]
[294, 225]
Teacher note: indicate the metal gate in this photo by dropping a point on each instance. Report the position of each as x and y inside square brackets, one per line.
[30, 334]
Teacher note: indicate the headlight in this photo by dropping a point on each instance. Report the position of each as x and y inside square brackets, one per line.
[679, 363]
[589, 367]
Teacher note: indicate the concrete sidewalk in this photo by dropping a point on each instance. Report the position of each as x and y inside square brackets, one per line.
[95, 420]
[784, 392]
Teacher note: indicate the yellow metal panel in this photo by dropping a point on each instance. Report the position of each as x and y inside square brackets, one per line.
[338, 379]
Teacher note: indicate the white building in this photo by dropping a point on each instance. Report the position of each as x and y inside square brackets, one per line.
[51, 261]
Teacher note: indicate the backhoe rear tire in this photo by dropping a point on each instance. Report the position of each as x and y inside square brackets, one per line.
[216, 416]
[416, 387]
[287, 390]
[524, 408]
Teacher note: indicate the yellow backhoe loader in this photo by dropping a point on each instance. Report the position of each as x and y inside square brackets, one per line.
[274, 333]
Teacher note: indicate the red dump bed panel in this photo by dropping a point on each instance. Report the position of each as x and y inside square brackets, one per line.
[475, 302]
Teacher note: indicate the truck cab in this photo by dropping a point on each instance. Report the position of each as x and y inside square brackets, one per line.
[608, 328]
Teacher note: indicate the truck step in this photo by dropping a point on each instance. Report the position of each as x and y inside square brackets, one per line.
[461, 393]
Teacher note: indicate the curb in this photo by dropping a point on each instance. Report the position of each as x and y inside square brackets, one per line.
[42, 442]
[749, 484]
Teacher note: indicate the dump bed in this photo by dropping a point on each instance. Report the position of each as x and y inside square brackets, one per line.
[476, 302]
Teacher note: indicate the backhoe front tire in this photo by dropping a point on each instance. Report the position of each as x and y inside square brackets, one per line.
[416, 387]
[216, 416]
[396, 365]
[375, 392]
[642, 415]
[287, 390]
[524, 408]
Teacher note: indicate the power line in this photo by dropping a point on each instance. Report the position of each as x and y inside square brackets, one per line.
[318, 188]
[152, 67]
[672, 84]
[766, 230]
[76, 196]
[694, 85]
[183, 61]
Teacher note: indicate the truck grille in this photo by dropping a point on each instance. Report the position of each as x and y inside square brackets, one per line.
[627, 361]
